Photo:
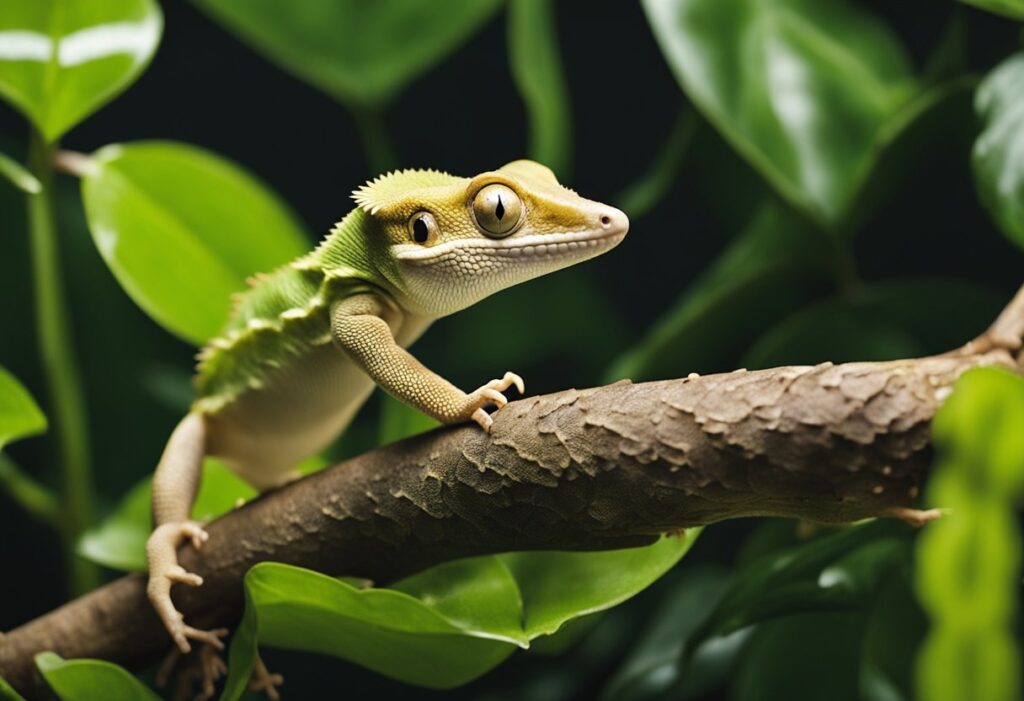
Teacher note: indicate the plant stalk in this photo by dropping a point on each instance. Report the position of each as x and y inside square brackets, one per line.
[64, 386]
[377, 146]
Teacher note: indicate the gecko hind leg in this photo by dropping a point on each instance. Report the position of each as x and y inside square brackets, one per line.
[174, 490]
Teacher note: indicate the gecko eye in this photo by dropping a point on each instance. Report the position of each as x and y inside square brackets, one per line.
[497, 209]
[423, 228]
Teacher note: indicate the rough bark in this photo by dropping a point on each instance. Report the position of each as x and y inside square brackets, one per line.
[600, 468]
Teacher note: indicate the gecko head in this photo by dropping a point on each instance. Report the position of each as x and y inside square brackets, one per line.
[444, 242]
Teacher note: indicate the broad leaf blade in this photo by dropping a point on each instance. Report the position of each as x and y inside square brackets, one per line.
[20, 416]
[61, 60]
[360, 53]
[802, 88]
[91, 680]
[998, 155]
[7, 692]
[182, 229]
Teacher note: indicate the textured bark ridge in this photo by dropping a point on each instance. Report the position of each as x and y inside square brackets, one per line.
[600, 468]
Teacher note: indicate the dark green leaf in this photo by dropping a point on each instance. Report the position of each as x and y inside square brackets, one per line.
[19, 176]
[162, 213]
[891, 320]
[62, 60]
[91, 680]
[20, 416]
[804, 89]
[838, 571]
[7, 692]
[767, 272]
[652, 670]
[998, 156]
[1014, 9]
[537, 70]
[361, 53]
[894, 629]
[969, 562]
[802, 658]
[119, 541]
[450, 624]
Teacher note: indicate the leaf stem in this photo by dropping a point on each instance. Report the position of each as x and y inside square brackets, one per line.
[377, 146]
[33, 497]
[67, 404]
[644, 195]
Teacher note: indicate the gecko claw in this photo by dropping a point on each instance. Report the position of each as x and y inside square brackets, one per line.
[483, 419]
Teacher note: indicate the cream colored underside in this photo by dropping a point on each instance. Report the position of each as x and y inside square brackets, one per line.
[300, 410]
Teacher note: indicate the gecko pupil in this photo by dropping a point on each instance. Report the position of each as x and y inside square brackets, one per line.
[499, 211]
[419, 230]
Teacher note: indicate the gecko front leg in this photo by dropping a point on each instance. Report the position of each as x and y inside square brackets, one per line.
[175, 485]
[362, 326]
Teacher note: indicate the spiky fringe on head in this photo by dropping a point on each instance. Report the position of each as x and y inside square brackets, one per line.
[391, 188]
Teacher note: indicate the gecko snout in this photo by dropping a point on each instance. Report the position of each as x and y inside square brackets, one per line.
[613, 221]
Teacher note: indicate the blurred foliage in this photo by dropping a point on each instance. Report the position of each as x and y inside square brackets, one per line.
[969, 571]
[804, 131]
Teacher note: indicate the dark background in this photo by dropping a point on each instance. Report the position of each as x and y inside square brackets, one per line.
[463, 116]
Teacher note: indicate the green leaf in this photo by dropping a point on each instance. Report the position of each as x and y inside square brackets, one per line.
[802, 658]
[998, 156]
[119, 541]
[893, 631]
[557, 587]
[652, 669]
[835, 572]
[804, 89]
[768, 271]
[969, 562]
[19, 176]
[360, 53]
[20, 416]
[182, 229]
[7, 692]
[537, 71]
[885, 321]
[91, 680]
[62, 60]
[1014, 9]
[644, 194]
[450, 624]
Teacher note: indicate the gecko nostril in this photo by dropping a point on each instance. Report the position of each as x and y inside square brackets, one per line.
[606, 220]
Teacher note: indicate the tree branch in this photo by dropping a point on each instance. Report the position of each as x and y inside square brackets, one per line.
[592, 469]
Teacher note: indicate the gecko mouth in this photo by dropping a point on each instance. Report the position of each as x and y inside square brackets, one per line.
[530, 246]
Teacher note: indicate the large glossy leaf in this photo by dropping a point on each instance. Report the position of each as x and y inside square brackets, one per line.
[361, 53]
[182, 229]
[91, 680]
[886, 321]
[767, 272]
[61, 60]
[1014, 9]
[20, 416]
[119, 541]
[998, 155]
[7, 692]
[19, 176]
[537, 70]
[969, 562]
[447, 625]
[804, 89]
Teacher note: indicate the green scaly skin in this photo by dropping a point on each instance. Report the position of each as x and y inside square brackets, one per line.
[307, 343]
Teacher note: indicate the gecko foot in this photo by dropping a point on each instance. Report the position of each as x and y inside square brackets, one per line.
[164, 572]
[491, 393]
[203, 670]
[263, 680]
